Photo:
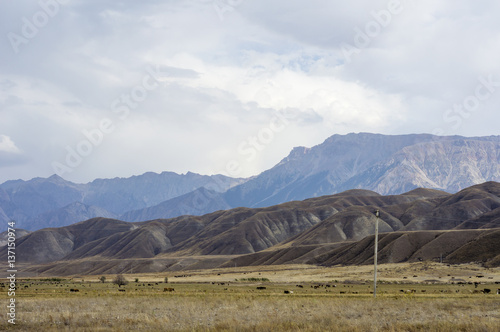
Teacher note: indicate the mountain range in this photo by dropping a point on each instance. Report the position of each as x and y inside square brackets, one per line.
[422, 224]
[385, 164]
[55, 202]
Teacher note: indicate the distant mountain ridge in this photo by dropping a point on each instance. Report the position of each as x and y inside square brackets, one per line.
[55, 202]
[198, 202]
[386, 164]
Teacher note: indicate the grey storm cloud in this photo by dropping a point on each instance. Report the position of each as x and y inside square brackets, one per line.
[121, 88]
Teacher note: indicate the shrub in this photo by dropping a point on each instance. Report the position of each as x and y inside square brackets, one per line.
[120, 280]
[254, 279]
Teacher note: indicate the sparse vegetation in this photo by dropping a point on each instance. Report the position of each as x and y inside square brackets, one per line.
[52, 279]
[250, 312]
[323, 299]
[254, 279]
[102, 279]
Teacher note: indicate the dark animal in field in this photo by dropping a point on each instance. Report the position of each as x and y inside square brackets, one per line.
[486, 291]
[121, 290]
[288, 292]
[74, 290]
[168, 289]
[261, 287]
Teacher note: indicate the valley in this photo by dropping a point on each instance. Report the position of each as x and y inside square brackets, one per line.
[410, 296]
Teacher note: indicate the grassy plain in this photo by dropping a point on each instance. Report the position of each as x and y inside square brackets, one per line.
[411, 297]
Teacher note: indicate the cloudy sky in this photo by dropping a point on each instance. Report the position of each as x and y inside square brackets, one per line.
[99, 88]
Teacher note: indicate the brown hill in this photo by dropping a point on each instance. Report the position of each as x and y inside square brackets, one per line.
[295, 231]
[52, 244]
[456, 246]
[453, 247]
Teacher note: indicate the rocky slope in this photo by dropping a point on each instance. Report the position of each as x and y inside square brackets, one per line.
[385, 164]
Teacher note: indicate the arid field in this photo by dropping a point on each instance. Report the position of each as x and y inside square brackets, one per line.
[410, 297]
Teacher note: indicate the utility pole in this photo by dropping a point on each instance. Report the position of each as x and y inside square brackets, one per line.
[377, 214]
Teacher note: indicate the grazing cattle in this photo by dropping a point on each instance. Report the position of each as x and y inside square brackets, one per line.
[168, 289]
[300, 286]
[121, 290]
[486, 291]
[288, 292]
[498, 291]
[261, 287]
[74, 290]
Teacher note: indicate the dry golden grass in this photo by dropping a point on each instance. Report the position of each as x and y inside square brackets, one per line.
[201, 302]
[256, 313]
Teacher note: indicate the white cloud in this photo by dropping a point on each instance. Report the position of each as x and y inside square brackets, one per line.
[226, 77]
[7, 145]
